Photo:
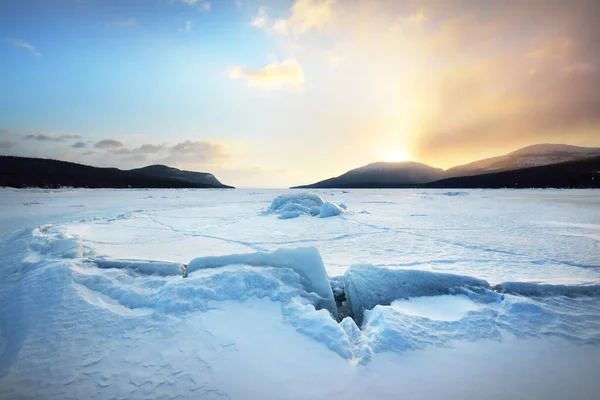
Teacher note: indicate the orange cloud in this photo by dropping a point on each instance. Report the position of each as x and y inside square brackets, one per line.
[558, 48]
[309, 14]
[579, 68]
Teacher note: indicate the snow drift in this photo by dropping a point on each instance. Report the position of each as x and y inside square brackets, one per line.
[49, 241]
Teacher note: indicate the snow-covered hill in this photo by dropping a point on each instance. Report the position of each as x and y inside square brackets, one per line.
[383, 174]
[530, 156]
[411, 174]
[165, 172]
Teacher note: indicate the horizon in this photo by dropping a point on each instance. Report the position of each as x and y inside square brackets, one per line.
[249, 90]
[297, 186]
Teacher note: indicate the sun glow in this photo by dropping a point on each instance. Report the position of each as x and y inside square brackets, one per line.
[394, 154]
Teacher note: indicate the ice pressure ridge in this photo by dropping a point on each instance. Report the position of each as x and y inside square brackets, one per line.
[366, 310]
[294, 205]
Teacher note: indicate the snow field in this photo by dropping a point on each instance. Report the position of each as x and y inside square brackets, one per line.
[194, 294]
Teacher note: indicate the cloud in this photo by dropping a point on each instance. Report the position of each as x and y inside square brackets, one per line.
[556, 48]
[188, 26]
[109, 144]
[310, 14]
[194, 147]
[7, 144]
[448, 80]
[261, 19]
[194, 154]
[507, 113]
[143, 149]
[78, 145]
[188, 147]
[4, 132]
[149, 148]
[579, 68]
[416, 18]
[280, 27]
[202, 5]
[44, 137]
[276, 76]
[239, 4]
[305, 15]
[25, 45]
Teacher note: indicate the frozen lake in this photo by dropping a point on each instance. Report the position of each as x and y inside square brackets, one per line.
[93, 303]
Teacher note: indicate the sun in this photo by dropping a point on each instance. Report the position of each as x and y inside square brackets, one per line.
[394, 154]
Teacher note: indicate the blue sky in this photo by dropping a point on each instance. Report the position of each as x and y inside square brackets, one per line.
[104, 67]
[277, 93]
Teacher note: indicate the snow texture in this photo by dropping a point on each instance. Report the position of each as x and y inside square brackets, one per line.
[94, 303]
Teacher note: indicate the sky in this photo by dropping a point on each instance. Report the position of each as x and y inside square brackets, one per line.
[272, 93]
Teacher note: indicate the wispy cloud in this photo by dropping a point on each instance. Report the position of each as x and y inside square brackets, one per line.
[287, 74]
[7, 144]
[189, 152]
[261, 19]
[557, 48]
[79, 145]
[188, 26]
[24, 45]
[202, 5]
[108, 144]
[45, 137]
[579, 68]
[195, 152]
[143, 149]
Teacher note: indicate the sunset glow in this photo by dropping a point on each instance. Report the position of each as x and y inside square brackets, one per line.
[395, 154]
[247, 90]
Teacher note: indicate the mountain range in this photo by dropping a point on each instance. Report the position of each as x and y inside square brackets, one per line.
[38, 172]
[542, 165]
[537, 166]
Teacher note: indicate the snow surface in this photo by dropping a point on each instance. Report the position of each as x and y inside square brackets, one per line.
[442, 308]
[198, 294]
